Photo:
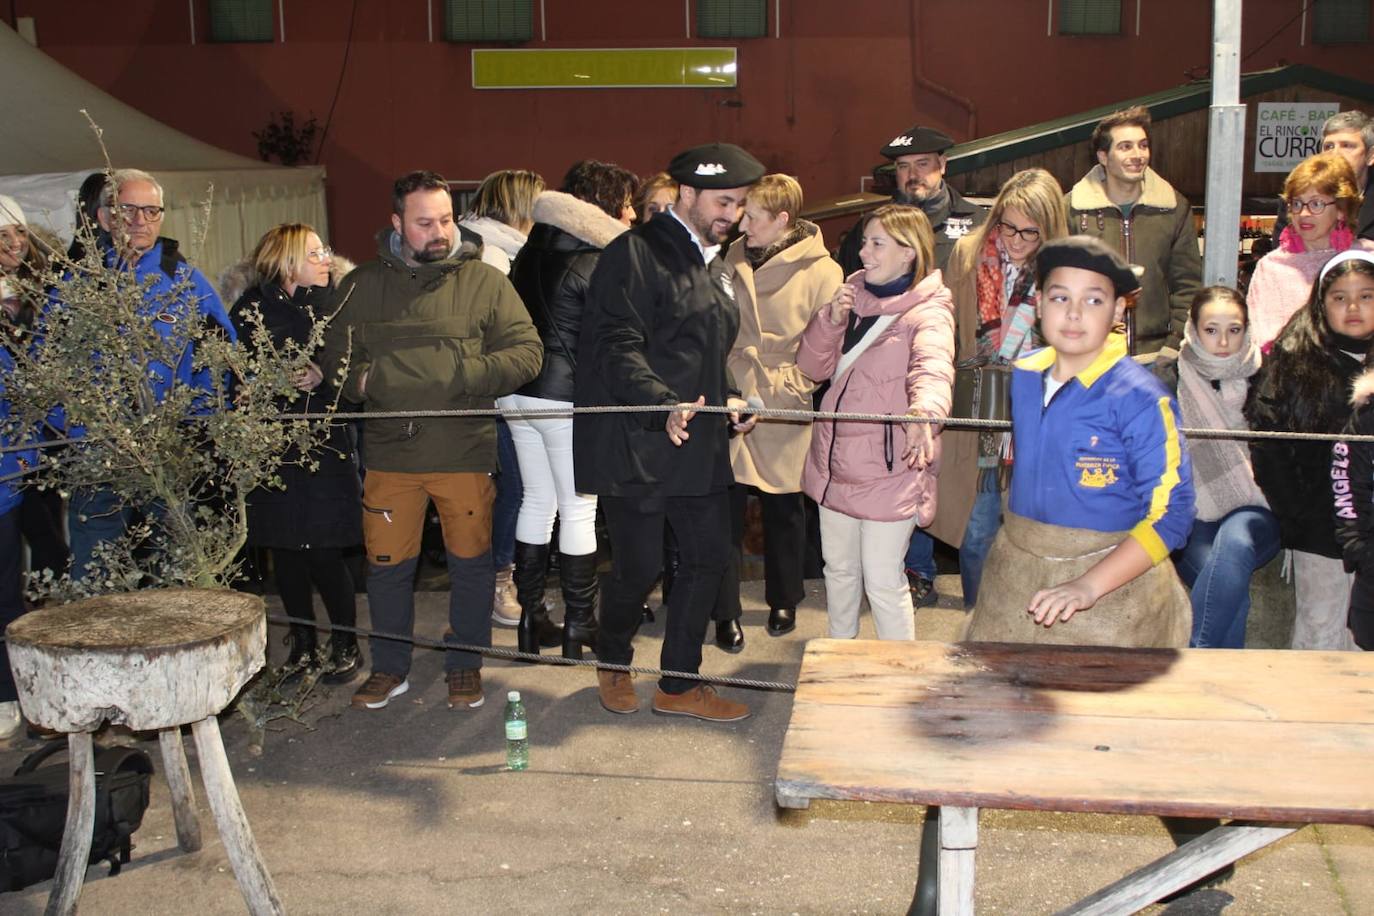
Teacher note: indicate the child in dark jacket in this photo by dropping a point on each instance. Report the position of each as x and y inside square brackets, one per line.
[1101, 491]
[1352, 480]
[1304, 386]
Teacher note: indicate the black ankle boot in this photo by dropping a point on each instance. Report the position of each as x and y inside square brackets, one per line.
[344, 658]
[578, 575]
[301, 639]
[531, 571]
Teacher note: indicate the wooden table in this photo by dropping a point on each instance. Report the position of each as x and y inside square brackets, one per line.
[1274, 739]
[153, 660]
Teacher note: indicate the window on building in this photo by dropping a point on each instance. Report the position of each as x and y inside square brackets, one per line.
[1336, 21]
[488, 20]
[732, 18]
[1089, 17]
[241, 20]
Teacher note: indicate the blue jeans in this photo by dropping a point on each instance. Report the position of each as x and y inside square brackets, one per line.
[983, 524]
[920, 555]
[1217, 563]
[509, 492]
[103, 521]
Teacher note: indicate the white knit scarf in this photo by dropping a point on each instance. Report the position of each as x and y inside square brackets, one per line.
[1222, 474]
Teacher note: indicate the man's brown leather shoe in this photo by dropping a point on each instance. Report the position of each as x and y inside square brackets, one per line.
[701, 702]
[617, 691]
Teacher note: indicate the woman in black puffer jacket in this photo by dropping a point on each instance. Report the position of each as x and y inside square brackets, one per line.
[551, 274]
[317, 513]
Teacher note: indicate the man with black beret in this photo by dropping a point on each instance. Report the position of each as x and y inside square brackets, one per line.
[659, 322]
[918, 155]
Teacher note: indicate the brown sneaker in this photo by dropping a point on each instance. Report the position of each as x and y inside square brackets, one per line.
[617, 691]
[378, 690]
[701, 702]
[465, 688]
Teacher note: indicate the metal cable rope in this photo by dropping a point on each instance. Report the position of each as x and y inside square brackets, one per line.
[558, 660]
[775, 413]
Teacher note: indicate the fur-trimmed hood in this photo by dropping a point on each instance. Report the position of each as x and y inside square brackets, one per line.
[580, 219]
[1090, 193]
[1363, 389]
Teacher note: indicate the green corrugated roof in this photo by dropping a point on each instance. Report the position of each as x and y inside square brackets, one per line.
[1077, 128]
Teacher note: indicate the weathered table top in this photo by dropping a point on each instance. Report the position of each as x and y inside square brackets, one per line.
[149, 620]
[1256, 734]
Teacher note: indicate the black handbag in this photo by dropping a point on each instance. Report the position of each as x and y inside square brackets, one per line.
[982, 391]
[33, 812]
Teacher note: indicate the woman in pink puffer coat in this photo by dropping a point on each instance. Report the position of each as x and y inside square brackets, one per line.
[886, 342]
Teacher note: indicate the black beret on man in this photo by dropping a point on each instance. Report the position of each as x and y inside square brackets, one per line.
[1088, 253]
[715, 166]
[917, 139]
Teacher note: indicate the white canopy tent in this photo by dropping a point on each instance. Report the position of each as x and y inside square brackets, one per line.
[48, 148]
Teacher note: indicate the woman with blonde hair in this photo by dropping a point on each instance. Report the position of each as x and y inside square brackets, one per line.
[991, 275]
[502, 213]
[309, 521]
[1323, 205]
[886, 343]
[783, 276]
[500, 218]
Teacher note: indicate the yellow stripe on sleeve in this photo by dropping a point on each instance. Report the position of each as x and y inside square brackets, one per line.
[1144, 532]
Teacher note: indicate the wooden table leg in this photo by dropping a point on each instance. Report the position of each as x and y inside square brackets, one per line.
[179, 783]
[77, 834]
[1194, 860]
[254, 881]
[958, 846]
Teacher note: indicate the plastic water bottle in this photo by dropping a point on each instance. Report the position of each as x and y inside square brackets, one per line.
[517, 740]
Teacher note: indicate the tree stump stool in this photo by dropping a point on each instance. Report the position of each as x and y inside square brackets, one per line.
[153, 660]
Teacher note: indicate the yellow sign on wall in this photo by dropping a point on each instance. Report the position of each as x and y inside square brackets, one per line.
[604, 68]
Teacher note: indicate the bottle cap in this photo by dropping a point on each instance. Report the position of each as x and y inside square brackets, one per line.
[513, 696]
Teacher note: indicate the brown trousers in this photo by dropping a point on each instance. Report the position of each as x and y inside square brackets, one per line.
[394, 513]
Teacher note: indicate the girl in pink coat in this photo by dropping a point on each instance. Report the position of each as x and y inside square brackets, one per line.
[886, 343]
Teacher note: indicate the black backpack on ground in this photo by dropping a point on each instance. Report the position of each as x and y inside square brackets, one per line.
[33, 812]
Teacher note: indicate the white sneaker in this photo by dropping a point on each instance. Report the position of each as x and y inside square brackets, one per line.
[505, 610]
[10, 719]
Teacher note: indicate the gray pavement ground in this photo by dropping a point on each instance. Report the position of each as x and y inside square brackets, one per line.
[409, 810]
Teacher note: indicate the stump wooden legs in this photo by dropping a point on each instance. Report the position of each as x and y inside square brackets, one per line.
[76, 835]
[958, 847]
[179, 782]
[252, 875]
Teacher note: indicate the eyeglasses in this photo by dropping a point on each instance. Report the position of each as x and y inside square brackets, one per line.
[1314, 206]
[150, 213]
[1030, 234]
[319, 255]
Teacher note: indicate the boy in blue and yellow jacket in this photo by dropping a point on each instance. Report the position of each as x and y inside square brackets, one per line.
[1101, 491]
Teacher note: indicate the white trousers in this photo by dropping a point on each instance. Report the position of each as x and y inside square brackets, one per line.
[543, 447]
[866, 557]
[1323, 595]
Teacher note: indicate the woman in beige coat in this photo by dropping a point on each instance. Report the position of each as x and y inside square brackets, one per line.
[782, 275]
[991, 274]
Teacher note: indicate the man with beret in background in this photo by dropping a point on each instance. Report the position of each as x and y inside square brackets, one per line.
[659, 322]
[918, 155]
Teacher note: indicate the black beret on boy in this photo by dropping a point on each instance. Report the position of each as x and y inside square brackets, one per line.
[1090, 254]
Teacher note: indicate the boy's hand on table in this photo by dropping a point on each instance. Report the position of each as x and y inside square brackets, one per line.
[1058, 604]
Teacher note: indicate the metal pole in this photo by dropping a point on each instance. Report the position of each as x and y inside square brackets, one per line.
[1225, 148]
